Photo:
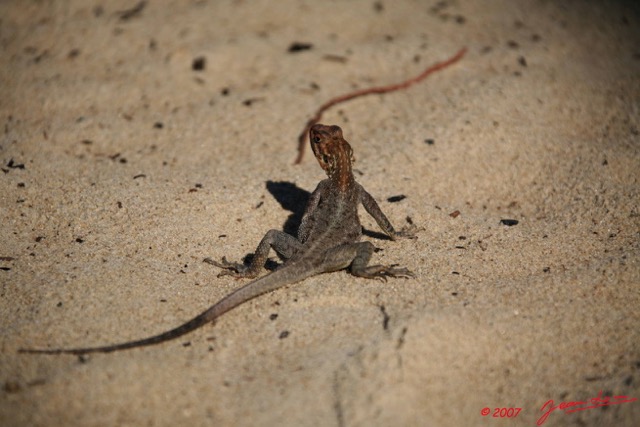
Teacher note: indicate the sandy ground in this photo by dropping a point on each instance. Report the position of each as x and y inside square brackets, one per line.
[135, 145]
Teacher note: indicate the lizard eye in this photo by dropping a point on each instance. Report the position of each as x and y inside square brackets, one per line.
[317, 139]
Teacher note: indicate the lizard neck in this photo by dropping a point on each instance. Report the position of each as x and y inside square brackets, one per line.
[341, 174]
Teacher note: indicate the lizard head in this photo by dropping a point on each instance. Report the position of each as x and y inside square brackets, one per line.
[332, 151]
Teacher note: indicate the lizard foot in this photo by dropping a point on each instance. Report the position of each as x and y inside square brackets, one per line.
[381, 272]
[234, 269]
[408, 232]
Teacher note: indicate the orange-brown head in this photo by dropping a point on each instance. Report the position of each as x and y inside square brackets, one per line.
[333, 153]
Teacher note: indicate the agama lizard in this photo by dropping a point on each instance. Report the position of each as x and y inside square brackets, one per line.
[328, 240]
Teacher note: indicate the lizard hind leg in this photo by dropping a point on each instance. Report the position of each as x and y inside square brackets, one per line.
[283, 243]
[356, 256]
[360, 265]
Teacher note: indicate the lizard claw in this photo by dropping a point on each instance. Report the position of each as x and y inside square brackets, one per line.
[395, 271]
[234, 269]
[408, 232]
[381, 272]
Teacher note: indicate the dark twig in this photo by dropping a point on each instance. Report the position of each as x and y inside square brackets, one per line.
[382, 89]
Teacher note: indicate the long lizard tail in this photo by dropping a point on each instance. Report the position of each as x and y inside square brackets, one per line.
[268, 283]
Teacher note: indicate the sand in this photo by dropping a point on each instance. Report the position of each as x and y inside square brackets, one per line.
[135, 145]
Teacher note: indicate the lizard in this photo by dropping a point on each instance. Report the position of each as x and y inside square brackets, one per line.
[328, 240]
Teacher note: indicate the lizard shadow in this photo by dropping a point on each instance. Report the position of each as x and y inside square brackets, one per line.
[292, 198]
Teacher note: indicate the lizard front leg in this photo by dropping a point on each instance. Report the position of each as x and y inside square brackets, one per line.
[371, 206]
[283, 243]
[356, 256]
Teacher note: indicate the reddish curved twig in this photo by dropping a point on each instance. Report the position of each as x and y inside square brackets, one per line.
[382, 89]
